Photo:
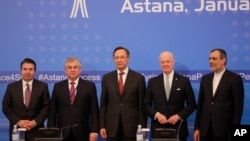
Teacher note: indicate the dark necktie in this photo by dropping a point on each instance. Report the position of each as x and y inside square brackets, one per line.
[72, 92]
[121, 83]
[27, 95]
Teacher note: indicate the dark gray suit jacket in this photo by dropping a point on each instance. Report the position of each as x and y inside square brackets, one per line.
[222, 110]
[84, 112]
[128, 106]
[15, 109]
[181, 102]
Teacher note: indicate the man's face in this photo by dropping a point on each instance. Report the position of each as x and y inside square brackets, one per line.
[28, 71]
[217, 64]
[121, 59]
[166, 63]
[73, 70]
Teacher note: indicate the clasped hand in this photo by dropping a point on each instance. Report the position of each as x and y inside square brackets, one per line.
[163, 119]
[27, 124]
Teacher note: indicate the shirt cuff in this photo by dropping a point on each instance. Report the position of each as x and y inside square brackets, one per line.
[155, 118]
[34, 122]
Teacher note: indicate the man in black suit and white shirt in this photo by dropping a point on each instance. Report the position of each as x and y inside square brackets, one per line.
[74, 105]
[121, 105]
[169, 98]
[220, 102]
[27, 111]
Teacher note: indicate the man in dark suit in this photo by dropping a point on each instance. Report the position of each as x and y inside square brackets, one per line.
[74, 105]
[26, 111]
[220, 102]
[121, 100]
[169, 98]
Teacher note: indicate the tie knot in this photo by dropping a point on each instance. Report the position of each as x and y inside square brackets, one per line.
[27, 84]
[72, 83]
[121, 73]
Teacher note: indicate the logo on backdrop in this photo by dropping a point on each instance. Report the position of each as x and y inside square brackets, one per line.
[79, 4]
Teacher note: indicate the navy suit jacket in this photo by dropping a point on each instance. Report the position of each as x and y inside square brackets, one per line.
[128, 106]
[84, 112]
[181, 102]
[222, 110]
[15, 109]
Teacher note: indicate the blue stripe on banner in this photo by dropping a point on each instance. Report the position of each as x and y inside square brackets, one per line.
[96, 76]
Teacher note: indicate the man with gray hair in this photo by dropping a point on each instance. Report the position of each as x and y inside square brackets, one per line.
[74, 105]
[169, 99]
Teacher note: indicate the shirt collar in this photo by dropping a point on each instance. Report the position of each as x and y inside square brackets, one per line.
[219, 74]
[125, 71]
[76, 81]
[29, 82]
[170, 75]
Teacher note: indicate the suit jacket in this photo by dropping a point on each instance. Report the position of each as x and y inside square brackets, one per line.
[224, 108]
[15, 109]
[128, 107]
[181, 101]
[83, 114]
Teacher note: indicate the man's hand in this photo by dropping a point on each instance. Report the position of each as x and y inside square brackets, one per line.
[103, 133]
[31, 124]
[173, 119]
[161, 118]
[196, 135]
[23, 123]
[93, 137]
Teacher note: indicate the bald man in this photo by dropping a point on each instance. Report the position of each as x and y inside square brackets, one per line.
[169, 98]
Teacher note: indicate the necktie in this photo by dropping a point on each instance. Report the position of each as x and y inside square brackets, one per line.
[72, 92]
[121, 83]
[27, 95]
[167, 87]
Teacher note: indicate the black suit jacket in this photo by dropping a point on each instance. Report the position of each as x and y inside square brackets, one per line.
[83, 112]
[224, 108]
[181, 102]
[15, 109]
[128, 106]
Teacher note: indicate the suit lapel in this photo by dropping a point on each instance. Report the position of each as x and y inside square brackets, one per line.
[79, 90]
[65, 91]
[210, 85]
[161, 84]
[174, 84]
[20, 94]
[128, 80]
[114, 79]
[34, 92]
